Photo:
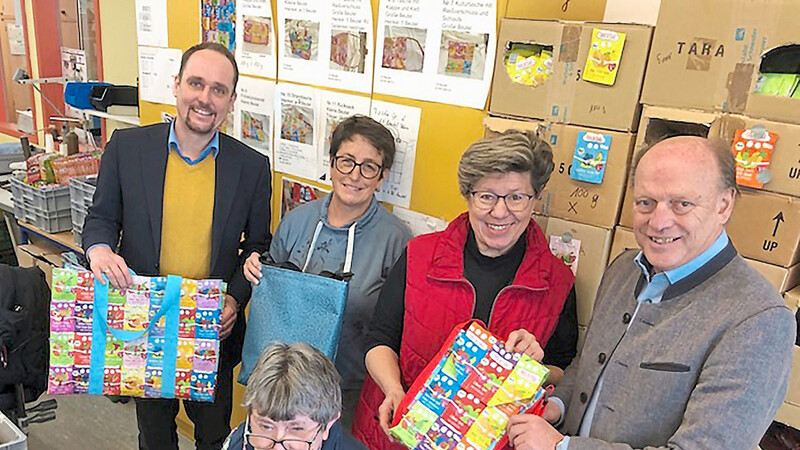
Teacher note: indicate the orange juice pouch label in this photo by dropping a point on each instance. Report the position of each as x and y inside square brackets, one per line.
[605, 53]
[753, 152]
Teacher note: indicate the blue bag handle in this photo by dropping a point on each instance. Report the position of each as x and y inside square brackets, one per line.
[169, 305]
[171, 301]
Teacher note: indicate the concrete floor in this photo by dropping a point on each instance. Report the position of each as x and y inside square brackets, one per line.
[90, 422]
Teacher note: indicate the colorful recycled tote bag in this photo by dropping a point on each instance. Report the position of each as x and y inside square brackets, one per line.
[290, 306]
[158, 339]
[466, 394]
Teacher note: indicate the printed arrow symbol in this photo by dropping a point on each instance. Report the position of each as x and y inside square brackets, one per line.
[778, 219]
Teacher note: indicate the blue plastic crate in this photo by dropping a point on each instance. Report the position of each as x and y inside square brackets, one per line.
[78, 94]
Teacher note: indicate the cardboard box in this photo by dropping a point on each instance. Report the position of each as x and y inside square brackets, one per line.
[784, 167]
[565, 97]
[581, 338]
[782, 278]
[792, 298]
[595, 246]
[766, 227]
[40, 255]
[657, 124]
[623, 240]
[789, 414]
[708, 54]
[565, 197]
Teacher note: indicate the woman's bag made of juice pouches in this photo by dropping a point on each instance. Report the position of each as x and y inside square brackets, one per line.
[466, 395]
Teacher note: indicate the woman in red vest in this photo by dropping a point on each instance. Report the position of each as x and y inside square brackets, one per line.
[492, 263]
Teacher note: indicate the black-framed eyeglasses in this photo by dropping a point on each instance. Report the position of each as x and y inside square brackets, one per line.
[346, 165]
[262, 442]
[515, 202]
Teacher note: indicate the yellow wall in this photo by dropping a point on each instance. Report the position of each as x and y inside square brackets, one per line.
[445, 130]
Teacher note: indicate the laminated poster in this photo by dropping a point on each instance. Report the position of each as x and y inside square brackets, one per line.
[217, 18]
[255, 38]
[326, 43]
[468, 398]
[753, 152]
[403, 122]
[436, 50]
[157, 70]
[253, 114]
[591, 157]
[605, 52]
[335, 108]
[294, 193]
[298, 130]
[569, 252]
[419, 223]
[151, 23]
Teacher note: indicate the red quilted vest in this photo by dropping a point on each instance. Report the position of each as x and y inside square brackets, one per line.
[438, 297]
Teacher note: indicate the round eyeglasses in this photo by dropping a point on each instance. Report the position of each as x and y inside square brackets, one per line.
[346, 165]
[262, 442]
[515, 202]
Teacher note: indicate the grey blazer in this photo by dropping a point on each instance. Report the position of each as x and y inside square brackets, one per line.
[706, 368]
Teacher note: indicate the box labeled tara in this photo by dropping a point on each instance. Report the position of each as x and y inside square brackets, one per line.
[540, 64]
[724, 55]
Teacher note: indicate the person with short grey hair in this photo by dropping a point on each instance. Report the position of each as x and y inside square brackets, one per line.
[293, 398]
[492, 263]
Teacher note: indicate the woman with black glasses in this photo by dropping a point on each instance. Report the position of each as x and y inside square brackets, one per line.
[292, 399]
[362, 151]
[492, 263]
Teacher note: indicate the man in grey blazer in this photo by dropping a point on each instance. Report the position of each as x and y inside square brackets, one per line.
[688, 347]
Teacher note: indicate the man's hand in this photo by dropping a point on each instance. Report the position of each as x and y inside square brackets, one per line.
[103, 261]
[252, 268]
[228, 319]
[387, 409]
[529, 432]
[522, 341]
[552, 413]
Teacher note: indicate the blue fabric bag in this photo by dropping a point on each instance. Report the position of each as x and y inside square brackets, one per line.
[290, 306]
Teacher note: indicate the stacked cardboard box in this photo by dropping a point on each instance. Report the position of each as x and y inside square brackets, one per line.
[718, 66]
[567, 110]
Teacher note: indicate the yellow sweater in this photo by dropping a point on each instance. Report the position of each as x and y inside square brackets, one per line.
[187, 216]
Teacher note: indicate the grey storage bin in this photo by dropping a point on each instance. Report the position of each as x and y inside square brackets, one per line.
[11, 437]
[50, 199]
[81, 190]
[52, 222]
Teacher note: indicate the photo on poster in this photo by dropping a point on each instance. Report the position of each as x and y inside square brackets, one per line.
[303, 42]
[463, 54]
[217, 20]
[227, 126]
[404, 48]
[348, 50]
[298, 124]
[295, 193]
[255, 130]
[256, 34]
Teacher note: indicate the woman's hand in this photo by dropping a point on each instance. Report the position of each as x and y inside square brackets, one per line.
[252, 268]
[524, 342]
[387, 409]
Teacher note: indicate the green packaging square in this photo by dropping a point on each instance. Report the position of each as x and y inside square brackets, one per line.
[414, 424]
[61, 349]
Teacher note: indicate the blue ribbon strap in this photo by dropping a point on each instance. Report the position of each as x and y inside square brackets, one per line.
[171, 303]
